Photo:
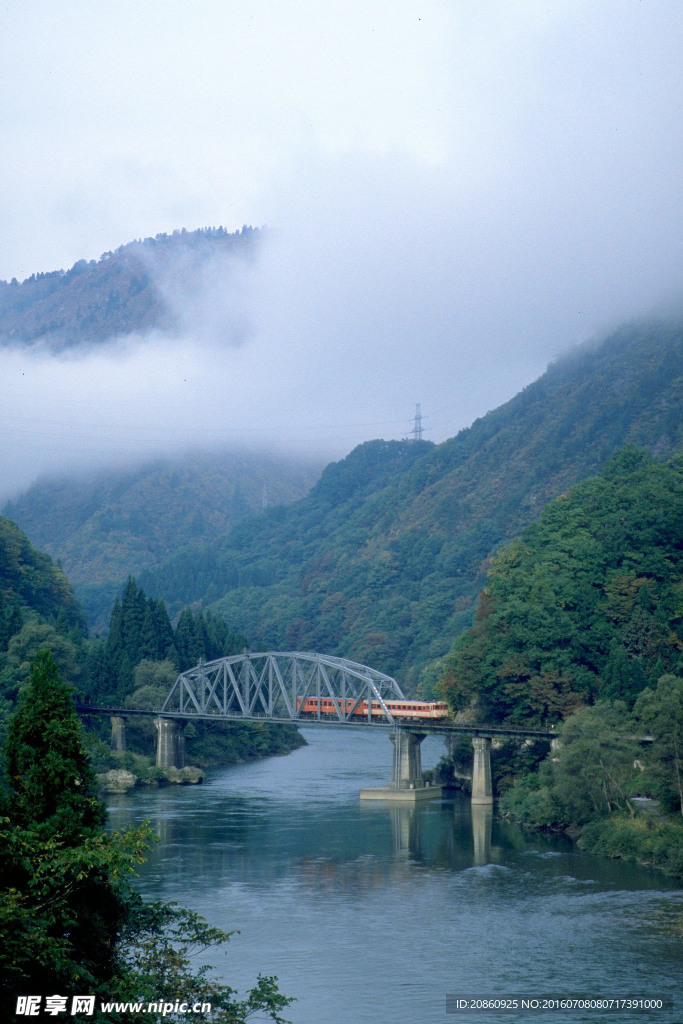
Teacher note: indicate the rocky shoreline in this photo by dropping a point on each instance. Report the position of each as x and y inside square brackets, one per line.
[119, 780]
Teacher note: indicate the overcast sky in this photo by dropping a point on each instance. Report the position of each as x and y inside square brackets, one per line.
[457, 191]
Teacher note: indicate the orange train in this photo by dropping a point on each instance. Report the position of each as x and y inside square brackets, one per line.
[410, 709]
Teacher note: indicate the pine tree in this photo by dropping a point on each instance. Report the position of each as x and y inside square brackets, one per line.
[187, 642]
[133, 606]
[52, 784]
[69, 922]
[149, 638]
[62, 906]
[164, 631]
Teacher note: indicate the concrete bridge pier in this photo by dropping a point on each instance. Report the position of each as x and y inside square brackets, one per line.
[118, 734]
[407, 782]
[170, 743]
[482, 787]
[407, 769]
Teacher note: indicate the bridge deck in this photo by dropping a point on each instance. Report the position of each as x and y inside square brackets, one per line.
[425, 725]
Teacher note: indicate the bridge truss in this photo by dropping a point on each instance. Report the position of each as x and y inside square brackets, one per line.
[275, 685]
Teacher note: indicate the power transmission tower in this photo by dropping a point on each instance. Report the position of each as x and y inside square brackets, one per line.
[416, 432]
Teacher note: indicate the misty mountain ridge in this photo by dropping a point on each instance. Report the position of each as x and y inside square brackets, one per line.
[107, 524]
[136, 289]
[382, 561]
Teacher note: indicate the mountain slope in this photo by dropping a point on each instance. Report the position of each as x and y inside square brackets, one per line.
[381, 562]
[106, 525]
[129, 290]
[31, 583]
[586, 605]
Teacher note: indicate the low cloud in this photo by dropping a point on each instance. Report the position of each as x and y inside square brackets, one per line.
[439, 230]
[375, 291]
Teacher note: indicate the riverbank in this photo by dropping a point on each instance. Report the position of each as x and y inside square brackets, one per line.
[645, 834]
[643, 840]
[209, 747]
[649, 837]
[120, 780]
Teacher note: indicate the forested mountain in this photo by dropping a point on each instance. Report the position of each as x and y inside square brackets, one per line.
[37, 609]
[31, 584]
[106, 525]
[579, 628]
[586, 605]
[136, 665]
[129, 290]
[382, 561]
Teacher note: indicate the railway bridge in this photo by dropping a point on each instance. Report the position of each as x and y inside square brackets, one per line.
[312, 689]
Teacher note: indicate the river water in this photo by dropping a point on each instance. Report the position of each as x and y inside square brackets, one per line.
[373, 914]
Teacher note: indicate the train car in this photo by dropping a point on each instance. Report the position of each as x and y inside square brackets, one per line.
[411, 710]
[415, 709]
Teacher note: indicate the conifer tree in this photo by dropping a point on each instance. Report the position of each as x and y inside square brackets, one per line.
[52, 783]
[69, 922]
[62, 905]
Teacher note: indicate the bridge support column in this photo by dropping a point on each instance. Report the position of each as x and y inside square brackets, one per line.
[170, 743]
[118, 734]
[482, 787]
[407, 770]
[407, 782]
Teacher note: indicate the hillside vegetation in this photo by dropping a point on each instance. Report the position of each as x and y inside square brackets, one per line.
[135, 665]
[580, 626]
[586, 605]
[38, 610]
[30, 582]
[109, 524]
[383, 560]
[130, 290]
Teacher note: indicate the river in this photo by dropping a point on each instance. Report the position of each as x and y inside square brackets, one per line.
[371, 914]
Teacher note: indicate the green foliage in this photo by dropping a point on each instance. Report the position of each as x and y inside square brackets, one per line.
[36, 636]
[30, 579]
[587, 778]
[655, 843]
[37, 610]
[69, 920]
[585, 605]
[51, 783]
[660, 711]
[152, 681]
[62, 907]
[142, 649]
[107, 524]
[580, 620]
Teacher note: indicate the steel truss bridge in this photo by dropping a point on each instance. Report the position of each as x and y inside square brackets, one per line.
[274, 685]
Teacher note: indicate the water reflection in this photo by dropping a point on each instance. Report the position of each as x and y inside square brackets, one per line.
[406, 828]
[482, 820]
[208, 837]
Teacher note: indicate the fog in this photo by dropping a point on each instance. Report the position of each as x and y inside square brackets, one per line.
[455, 195]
